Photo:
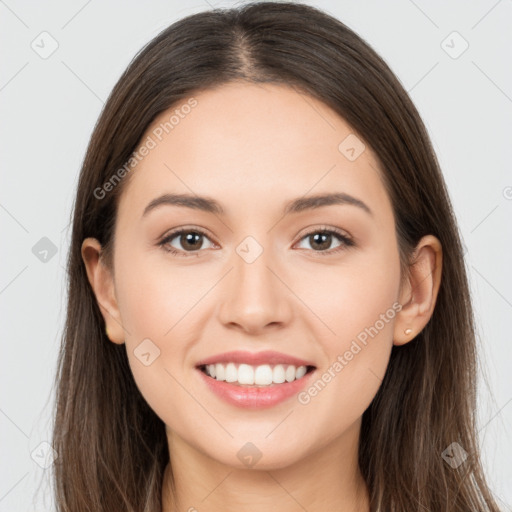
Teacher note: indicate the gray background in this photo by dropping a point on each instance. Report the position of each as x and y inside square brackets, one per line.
[50, 105]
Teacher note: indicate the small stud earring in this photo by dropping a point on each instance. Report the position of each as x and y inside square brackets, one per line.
[408, 331]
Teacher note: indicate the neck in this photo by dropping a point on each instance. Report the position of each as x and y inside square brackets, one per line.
[328, 479]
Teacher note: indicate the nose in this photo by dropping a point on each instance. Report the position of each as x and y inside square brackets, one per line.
[255, 297]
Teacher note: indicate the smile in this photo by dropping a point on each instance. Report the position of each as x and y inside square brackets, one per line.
[258, 376]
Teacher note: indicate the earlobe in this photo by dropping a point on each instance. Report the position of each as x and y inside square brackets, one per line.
[418, 296]
[102, 283]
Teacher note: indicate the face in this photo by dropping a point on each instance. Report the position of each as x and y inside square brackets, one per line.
[318, 282]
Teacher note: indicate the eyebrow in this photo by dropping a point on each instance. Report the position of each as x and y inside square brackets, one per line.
[300, 204]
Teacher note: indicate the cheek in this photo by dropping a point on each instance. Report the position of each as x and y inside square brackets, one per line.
[359, 304]
[159, 306]
[156, 297]
[365, 313]
[352, 294]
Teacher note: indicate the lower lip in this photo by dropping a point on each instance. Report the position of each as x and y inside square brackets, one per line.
[255, 397]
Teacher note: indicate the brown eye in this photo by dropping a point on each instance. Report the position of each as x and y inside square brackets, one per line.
[320, 241]
[191, 241]
[183, 241]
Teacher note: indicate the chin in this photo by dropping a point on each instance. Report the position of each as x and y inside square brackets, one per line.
[265, 456]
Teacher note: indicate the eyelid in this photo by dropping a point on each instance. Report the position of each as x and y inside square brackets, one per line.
[324, 228]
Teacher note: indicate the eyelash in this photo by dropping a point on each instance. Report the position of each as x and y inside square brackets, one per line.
[346, 241]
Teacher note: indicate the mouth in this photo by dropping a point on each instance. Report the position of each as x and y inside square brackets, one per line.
[255, 376]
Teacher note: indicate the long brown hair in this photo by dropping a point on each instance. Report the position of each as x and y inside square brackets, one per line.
[112, 448]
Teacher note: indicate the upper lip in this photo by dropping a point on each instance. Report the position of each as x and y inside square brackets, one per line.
[255, 358]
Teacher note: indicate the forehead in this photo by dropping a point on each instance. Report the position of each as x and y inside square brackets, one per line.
[253, 145]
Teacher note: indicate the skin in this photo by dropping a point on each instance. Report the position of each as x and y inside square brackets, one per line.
[252, 148]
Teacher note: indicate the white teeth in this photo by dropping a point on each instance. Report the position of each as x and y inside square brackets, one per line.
[231, 373]
[262, 375]
[278, 374]
[219, 372]
[290, 373]
[245, 374]
[301, 371]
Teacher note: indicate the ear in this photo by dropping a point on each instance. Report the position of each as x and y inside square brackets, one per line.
[102, 283]
[419, 293]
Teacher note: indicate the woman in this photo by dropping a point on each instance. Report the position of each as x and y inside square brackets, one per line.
[268, 305]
